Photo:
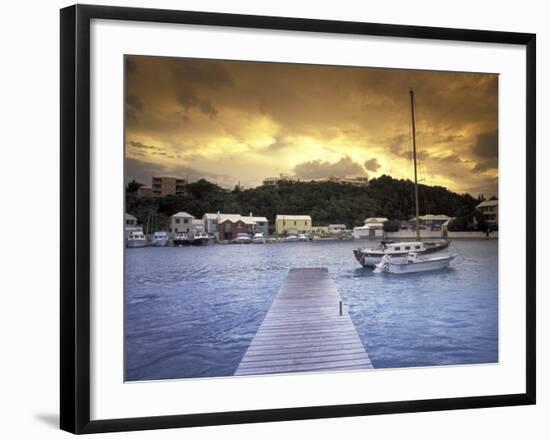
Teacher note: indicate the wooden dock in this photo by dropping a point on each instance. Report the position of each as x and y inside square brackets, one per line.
[303, 330]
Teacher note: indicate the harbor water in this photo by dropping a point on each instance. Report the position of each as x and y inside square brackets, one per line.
[192, 312]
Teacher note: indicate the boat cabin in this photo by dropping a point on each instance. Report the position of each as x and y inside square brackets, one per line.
[404, 247]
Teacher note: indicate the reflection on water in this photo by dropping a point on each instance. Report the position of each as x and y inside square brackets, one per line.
[192, 311]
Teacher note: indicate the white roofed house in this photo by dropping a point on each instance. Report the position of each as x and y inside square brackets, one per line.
[262, 225]
[181, 222]
[373, 228]
[489, 209]
[210, 224]
[431, 222]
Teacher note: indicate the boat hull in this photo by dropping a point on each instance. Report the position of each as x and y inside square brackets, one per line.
[136, 243]
[160, 243]
[199, 241]
[417, 267]
[181, 242]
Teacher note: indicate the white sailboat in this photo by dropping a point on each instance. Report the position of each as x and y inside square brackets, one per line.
[371, 256]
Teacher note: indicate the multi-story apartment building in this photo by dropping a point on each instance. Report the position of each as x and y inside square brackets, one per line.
[162, 186]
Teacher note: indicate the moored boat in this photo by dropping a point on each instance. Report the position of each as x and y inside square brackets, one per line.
[136, 239]
[413, 263]
[160, 239]
[371, 256]
[303, 237]
[290, 238]
[181, 239]
[242, 238]
[258, 238]
[199, 238]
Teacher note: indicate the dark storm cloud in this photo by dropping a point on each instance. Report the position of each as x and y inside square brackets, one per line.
[188, 100]
[486, 151]
[318, 169]
[134, 102]
[130, 66]
[211, 74]
[372, 165]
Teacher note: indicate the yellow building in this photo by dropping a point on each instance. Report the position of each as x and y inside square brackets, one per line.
[293, 224]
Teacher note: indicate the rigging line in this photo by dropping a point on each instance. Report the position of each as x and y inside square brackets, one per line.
[411, 163]
[425, 169]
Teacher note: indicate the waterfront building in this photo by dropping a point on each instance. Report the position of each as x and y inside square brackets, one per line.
[319, 230]
[230, 225]
[181, 222]
[336, 228]
[262, 225]
[162, 186]
[293, 224]
[431, 222]
[373, 228]
[210, 224]
[489, 209]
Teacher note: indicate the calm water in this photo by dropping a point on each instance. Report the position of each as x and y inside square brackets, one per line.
[193, 311]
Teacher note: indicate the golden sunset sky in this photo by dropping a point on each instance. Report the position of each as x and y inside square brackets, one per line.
[235, 121]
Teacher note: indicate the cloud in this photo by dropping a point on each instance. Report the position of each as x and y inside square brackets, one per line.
[134, 102]
[486, 151]
[189, 100]
[372, 165]
[264, 118]
[204, 72]
[131, 67]
[345, 167]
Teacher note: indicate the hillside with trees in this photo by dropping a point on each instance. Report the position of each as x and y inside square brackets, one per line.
[326, 202]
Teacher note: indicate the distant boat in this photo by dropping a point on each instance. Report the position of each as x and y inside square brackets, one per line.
[369, 257]
[136, 239]
[242, 238]
[181, 239]
[258, 238]
[160, 239]
[303, 237]
[290, 238]
[413, 263]
[199, 238]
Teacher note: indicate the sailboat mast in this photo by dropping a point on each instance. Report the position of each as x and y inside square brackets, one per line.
[411, 91]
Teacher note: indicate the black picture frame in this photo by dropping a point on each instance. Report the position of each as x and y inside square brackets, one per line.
[75, 217]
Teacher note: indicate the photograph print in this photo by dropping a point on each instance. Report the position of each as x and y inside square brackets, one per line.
[296, 218]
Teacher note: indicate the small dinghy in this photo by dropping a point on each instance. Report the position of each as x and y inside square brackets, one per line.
[413, 263]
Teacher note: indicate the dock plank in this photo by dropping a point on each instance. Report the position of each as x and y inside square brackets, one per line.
[303, 330]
